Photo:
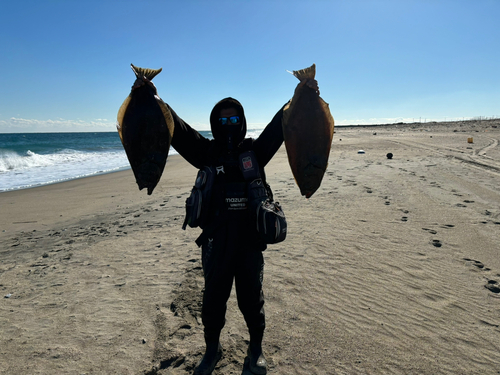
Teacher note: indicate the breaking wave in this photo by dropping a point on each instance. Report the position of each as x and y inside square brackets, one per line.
[29, 169]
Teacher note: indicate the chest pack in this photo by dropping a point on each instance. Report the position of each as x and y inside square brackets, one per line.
[265, 212]
[197, 204]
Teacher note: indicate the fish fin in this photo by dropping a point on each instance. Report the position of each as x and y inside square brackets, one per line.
[144, 72]
[286, 113]
[168, 116]
[305, 73]
[121, 114]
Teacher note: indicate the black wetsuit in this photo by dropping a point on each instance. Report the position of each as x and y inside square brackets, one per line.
[231, 246]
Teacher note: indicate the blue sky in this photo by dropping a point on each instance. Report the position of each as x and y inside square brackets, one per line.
[65, 65]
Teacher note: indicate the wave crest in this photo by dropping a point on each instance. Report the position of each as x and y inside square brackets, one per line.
[13, 161]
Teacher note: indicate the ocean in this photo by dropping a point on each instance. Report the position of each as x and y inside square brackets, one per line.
[34, 159]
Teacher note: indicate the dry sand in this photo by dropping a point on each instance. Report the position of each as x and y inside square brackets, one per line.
[392, 267]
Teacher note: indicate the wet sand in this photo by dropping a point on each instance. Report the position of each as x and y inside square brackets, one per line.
[392, 267]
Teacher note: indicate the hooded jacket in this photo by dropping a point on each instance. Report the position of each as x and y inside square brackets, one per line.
[224, 149]
[228, 137]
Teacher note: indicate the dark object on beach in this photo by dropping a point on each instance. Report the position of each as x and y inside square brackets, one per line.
[146, 127]
[308, 132]
[389, 155]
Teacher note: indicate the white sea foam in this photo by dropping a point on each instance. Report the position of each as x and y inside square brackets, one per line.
[29, 170]
[12, 161]
[253, 133]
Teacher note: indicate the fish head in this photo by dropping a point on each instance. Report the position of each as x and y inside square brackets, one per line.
[148, 175]
[148, 169]
[146, 150]
[312, 175]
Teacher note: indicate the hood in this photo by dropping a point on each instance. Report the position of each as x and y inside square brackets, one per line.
[228, 136]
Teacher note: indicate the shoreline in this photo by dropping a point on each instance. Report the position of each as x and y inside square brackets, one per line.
[46, 200]
[415, 125]
[67, 180]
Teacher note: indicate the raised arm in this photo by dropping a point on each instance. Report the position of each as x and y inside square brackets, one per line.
[270, 140]
[189, 143]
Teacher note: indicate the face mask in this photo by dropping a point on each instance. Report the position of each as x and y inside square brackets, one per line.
[229, 135]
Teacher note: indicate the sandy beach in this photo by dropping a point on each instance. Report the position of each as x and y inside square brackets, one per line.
[391, 267]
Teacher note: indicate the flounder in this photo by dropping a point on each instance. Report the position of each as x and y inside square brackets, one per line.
[308, 132]
[146, 128]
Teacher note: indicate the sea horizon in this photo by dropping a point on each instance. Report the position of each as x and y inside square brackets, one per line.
[402, 121]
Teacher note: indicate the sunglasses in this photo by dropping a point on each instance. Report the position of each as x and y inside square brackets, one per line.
[229, 120]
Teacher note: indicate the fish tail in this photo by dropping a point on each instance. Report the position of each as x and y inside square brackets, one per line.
[305, 73]
[144, 72]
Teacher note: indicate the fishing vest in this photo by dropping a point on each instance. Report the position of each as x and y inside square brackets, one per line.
[253, 194]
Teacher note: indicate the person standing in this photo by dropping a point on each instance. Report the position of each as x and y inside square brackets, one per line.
[231, 246]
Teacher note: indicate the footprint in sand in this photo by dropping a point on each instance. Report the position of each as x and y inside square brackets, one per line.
[447, 226]
[437, 243]
[432, 231]
[493, 286]
[477, 264]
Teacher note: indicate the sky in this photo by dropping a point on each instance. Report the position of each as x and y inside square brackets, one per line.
[65, 65]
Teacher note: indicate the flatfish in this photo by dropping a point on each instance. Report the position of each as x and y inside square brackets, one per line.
[146, 128]
[308, 132]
